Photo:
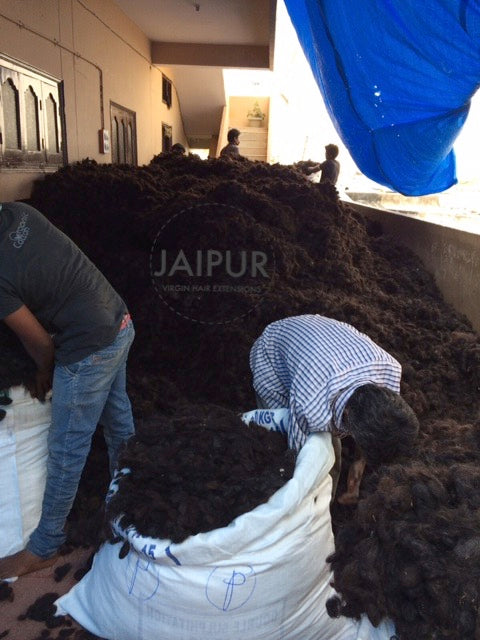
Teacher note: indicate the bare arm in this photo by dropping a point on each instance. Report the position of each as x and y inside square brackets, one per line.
[39, 346]
[354, 478]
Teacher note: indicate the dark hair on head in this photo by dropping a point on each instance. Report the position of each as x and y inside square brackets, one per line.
[331, 151]
[232, 134]
[178, 148]
[382, 424]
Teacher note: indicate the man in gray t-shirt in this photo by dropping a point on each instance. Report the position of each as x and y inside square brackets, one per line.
[330, 167]
[77, 330]
[231, 149]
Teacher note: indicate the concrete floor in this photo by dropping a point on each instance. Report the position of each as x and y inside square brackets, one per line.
[30, 587]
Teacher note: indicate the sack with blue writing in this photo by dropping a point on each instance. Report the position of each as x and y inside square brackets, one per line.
[271, 419]
[262, 577]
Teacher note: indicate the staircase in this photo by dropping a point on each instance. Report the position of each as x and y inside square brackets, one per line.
[253, 143]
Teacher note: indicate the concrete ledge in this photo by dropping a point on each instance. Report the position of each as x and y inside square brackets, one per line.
[451, 255]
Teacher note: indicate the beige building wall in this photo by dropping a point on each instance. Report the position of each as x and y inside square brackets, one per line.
[224, 127]
[101, 56]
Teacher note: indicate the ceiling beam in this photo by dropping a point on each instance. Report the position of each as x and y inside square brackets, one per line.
[211, 55]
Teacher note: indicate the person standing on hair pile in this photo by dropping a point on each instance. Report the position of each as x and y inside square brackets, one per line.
[78, 331]
[231, 149]
[330, 167]
[333, 378]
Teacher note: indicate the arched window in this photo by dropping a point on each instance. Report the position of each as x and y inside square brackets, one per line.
[166, 91]
[121, 142]
[129, 145]
[166, 137]
[31, 115]
[124, 135]
[51, 112]
[31, 119]
[11, 115]
[115, 156]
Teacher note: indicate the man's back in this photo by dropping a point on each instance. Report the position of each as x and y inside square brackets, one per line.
[330, 170]
[312, 365]
[44, 270]
[230, 150]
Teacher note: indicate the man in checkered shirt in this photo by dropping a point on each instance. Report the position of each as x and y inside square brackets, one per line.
[334, 378]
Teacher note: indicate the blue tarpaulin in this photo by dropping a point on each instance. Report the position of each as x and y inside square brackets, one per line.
[397, 77]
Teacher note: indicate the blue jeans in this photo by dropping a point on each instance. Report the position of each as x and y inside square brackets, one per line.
[84, 394]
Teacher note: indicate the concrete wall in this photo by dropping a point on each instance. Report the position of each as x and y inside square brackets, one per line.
[452, 256]
[101, 56]
[222, 135]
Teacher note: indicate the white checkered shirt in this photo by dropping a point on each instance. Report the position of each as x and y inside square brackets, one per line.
[312, 365]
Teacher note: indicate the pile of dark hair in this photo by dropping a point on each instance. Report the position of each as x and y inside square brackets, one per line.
[196, 471]
[415, 543]
[411, 531]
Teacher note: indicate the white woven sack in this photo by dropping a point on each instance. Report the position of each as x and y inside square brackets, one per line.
[23, 458]
[262, 577]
